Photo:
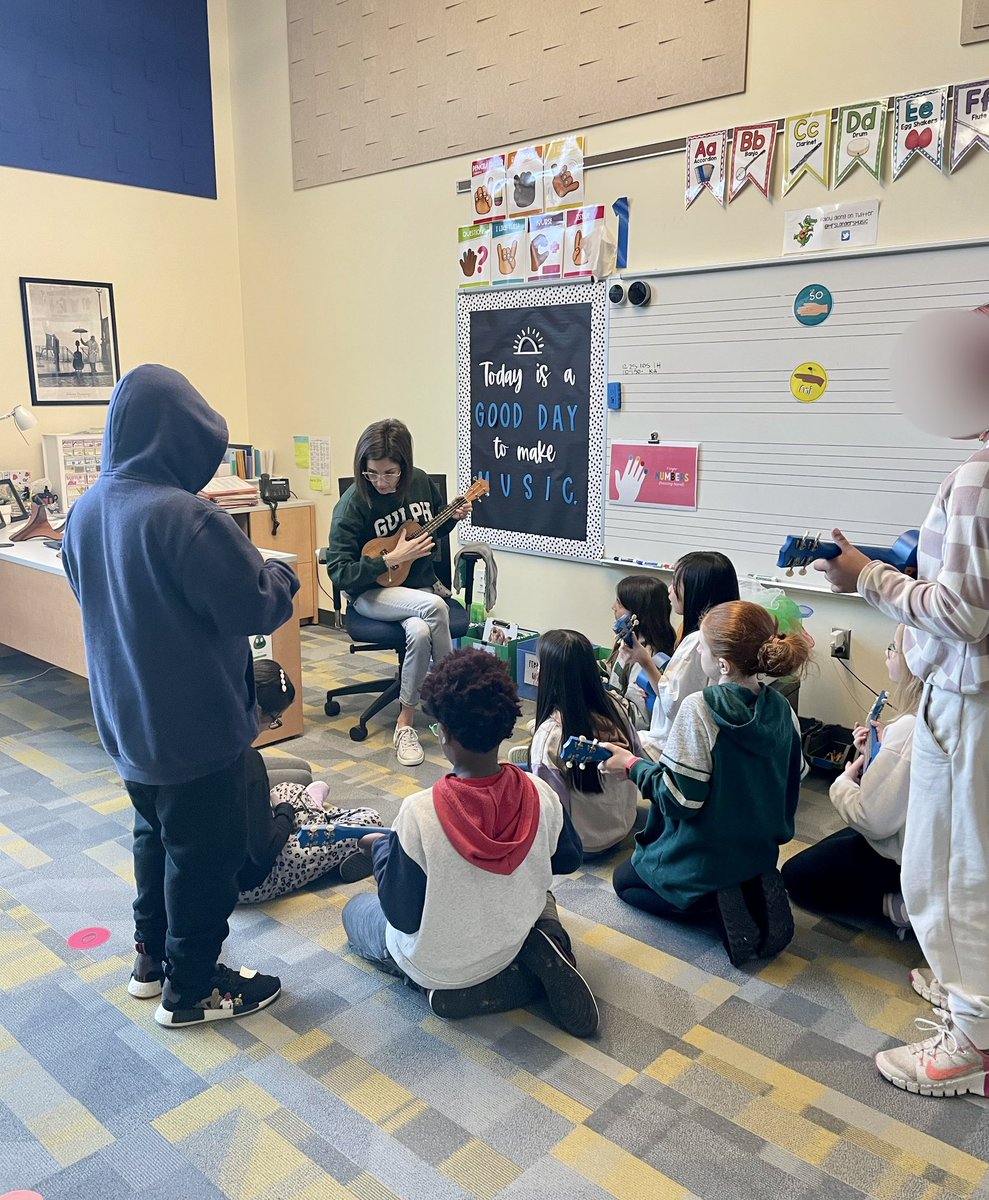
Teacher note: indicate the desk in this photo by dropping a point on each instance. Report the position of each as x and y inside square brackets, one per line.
[39, 616]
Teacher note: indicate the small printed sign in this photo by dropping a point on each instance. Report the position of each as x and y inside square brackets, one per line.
[813, 304]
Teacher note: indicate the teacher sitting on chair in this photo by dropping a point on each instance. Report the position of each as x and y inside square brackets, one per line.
[387, 492]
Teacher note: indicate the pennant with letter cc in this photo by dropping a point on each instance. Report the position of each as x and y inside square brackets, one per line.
[752, 150]
[807, 147]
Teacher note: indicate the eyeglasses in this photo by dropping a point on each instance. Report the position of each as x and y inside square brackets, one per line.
[387, 476]
[434, 729]
[891, 649]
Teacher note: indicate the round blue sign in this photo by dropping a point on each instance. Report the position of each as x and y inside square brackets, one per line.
[813, 304]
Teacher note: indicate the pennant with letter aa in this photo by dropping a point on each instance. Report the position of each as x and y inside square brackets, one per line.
[705, 158]
[859, 140]
[919, 120]
[807, 147]
[752, 150]
[970, 125]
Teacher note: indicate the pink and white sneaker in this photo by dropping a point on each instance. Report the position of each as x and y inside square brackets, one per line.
[946, 1064]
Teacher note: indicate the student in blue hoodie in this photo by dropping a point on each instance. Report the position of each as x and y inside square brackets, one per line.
[170, 590]
[725, 791]
[463, 907]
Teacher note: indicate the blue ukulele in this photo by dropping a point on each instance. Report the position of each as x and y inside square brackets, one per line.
[579, 751]
[320, 835]
[625, 628]
[800, 552]
[874, 714]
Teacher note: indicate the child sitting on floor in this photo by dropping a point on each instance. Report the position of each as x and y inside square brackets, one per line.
[289, 823]
[463, 907]
[856, 871]
[572, 702]
[725, 792]
[646, 599]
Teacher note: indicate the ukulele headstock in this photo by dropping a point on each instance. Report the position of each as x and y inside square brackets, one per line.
[799, 552]
[579, 751]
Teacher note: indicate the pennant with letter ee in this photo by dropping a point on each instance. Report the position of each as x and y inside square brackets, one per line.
[807, 149]
[860, 139]
[919, 120]
[970, 124]
[752, 150]
[706, 153]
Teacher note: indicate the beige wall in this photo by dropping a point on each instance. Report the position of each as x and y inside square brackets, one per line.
[349, 288]
[173, 262]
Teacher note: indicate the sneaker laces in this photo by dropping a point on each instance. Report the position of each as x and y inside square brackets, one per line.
[943, 1035]
[406, 734]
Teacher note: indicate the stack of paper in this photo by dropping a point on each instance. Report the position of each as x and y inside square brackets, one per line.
[228, 491]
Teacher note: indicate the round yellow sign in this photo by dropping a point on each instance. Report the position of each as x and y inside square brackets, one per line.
[809, 382]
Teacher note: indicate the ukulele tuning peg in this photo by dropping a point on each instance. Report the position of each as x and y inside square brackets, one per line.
[789, 571]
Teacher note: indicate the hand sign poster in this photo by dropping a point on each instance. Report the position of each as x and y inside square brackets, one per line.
[659, 474]
[474, 255]
[531, 391]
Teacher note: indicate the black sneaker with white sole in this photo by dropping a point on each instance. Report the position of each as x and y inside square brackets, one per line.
[566, 989]
[770, 905]
[355, 867]
[226, 994]
[148, 976]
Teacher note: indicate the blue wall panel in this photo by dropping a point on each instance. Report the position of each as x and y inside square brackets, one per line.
[109, 89]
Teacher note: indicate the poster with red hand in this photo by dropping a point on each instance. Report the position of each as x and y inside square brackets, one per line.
[656, 474]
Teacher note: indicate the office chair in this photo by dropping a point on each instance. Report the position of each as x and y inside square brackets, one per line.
[368, 634]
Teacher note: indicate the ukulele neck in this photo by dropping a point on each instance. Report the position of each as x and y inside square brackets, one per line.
[443, 517]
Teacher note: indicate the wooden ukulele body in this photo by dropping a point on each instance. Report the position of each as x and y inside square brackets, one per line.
[379, 547]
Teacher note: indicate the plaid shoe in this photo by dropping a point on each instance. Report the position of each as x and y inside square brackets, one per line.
[946, 1064]
[148, 976]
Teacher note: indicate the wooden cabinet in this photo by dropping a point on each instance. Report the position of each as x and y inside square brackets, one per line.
[296, 535]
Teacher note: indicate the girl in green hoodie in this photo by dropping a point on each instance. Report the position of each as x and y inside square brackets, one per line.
[725, 791]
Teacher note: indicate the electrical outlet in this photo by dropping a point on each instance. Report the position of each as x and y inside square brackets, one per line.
[841, 643]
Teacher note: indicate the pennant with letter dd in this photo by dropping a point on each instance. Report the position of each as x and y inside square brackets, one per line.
[807, 147]
[752, 150]
[970, 125]
[918, 127]
[860, 139]
[706, 153]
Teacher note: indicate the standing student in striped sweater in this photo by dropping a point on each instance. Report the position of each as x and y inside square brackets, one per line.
[941, 380]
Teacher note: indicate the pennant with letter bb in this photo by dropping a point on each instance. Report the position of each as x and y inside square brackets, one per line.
[752, 150]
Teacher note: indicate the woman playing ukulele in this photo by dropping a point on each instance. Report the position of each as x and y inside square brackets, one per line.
[387, 492]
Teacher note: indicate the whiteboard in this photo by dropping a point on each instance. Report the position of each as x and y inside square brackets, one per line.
[710, 361]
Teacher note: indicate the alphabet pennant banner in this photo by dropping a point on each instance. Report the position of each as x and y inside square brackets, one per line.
[970, 126]
[705, 157]
[752, 152]
[860, 138]
[919, 124]
[807, 147]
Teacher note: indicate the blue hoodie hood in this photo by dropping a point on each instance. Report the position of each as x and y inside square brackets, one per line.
[170, 588]
[160, 429]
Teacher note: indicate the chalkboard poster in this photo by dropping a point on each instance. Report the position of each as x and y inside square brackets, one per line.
[531, 391]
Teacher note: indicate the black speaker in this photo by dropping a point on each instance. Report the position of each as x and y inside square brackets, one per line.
[639, 294]
[616, 293]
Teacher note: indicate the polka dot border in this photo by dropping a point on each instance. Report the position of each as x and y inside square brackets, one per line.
[525, 300]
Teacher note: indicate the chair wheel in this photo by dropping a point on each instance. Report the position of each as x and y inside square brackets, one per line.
[331, 708]
[358, 733]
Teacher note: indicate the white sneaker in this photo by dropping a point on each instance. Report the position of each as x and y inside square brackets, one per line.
[410, 752]
[895, 908]
[925, 983]
[946, 1064]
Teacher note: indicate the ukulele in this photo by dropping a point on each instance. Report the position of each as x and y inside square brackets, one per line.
[874, 743]
[800, 552]
[378, 547]
[579, 751]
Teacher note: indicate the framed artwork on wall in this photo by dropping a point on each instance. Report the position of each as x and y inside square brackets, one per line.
[70, 332]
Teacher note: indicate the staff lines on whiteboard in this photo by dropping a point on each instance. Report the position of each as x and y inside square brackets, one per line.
[863, 303]
[770, 520]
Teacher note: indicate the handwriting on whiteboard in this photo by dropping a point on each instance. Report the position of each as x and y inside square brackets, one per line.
[641, 368]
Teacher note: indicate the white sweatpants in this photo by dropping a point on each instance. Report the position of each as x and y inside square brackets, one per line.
[945, 871]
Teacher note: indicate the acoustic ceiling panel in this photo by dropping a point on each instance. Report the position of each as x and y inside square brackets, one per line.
[381, 84]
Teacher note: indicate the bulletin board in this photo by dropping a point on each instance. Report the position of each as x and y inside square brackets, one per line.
[530, 417]
[381, 84]
[780, 372]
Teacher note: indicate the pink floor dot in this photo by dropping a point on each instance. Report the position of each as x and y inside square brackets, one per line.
[22, 1196]
[82, 939]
